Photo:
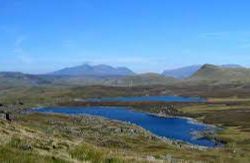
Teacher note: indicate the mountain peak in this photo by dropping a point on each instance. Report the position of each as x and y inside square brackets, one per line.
[209, 66]
[95, 70]
[221, 74]
[183, 72]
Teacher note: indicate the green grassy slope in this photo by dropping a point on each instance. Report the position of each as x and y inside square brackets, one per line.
[219, 75]
[9, 80]
[145, 79]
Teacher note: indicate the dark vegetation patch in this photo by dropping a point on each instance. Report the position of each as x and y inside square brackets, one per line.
[18, 98]
[236, 117]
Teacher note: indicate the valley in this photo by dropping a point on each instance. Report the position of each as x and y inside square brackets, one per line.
[74, 139]
[28, 136]
[124, 81]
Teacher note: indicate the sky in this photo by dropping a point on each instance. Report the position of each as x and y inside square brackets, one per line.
[39, 36]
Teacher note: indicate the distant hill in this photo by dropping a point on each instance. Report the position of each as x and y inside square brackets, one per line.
[188, 71]
[231, 66]
[181, 73]
[16, 79]
[221, 74]
[19, 79]
[97, 70]
[144, 79]
[11, 79]
[107, 75]
[132, 80]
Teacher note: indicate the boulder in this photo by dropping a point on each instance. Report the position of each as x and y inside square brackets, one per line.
[2, 116]
[6, 116]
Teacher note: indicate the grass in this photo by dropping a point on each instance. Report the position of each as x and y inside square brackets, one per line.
[98, 140]
[89, 139]
[72, 139]
[237, 115]
[48, 95]
[12, 155]
[86, 152]
[235, 121]
[57, 138]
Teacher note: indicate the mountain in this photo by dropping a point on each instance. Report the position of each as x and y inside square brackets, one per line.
[221, 74]
[97, 70]
[107, 75]
[183, 72]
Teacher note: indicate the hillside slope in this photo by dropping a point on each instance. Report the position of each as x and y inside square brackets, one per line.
[188, 71]
[144, 79]
[220, 75]
[181, 73]
[8, 79]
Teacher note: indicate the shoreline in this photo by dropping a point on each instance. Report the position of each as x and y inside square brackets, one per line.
[166, 139]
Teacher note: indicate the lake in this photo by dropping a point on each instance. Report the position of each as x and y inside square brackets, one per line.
[173, 128]
[145, 99]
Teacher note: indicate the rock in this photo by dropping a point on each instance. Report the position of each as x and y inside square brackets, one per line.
[54, 146]
[150, 158]
[132, 131]
[118, 130]
[6, 116]
[27, 147]
[20, 103]
[168, 157]
[2, 116]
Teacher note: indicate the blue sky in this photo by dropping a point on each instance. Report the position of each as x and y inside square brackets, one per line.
[38, 36]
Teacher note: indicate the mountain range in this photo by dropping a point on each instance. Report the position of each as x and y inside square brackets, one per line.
[96, 70]
[106, 70]
[107, 75]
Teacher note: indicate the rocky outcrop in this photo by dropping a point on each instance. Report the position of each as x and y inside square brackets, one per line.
[166, 110]
[6, 116]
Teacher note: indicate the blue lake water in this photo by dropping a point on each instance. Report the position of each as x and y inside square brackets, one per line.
[146, 98]
[172, 128]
